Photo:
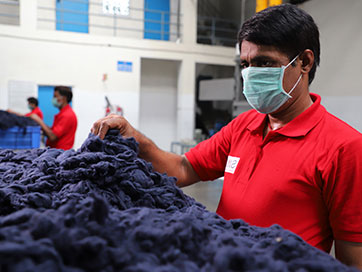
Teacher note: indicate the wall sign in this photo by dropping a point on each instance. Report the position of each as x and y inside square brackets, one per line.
[124, 66]
[116, 7]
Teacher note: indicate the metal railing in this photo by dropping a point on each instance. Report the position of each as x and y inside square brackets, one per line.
[167, 26]
[9, 12]
[216, 31]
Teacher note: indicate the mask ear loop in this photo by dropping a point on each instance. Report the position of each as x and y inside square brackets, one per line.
[292, 61]
[300, 77]
[295, 85]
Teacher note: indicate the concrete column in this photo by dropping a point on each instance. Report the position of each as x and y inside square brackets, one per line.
[189, 21]
[186, 99]
[28, 14]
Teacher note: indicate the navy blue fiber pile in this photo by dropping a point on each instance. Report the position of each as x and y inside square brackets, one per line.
[101, 208]
[9, 120]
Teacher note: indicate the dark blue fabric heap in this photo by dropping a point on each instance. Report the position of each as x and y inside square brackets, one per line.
[101, 208]
[9, 120]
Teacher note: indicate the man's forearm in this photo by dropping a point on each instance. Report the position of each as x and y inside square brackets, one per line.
[47, 130]
[349, 253]
[166, 162]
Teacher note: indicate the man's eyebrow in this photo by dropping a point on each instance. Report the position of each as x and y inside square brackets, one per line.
[260, 58]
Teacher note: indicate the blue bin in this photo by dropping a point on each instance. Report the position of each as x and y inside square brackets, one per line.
[20, 138]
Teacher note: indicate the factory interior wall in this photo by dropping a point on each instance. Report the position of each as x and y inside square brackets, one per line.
[158, 101]
[88, 63]
[338, 79]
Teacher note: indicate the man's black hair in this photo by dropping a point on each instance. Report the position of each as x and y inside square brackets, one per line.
[288, 28]
[65, 91]
[33, 100]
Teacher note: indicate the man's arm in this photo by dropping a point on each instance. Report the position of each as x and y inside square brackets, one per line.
[47, 130]
[14, 112]
[349, 253]
[162, 161]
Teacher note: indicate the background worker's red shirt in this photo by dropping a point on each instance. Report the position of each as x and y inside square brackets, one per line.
[305, 176]
[36, 111]
[64, 127]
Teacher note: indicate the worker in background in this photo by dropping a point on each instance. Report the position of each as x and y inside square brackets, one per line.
[62, 133]
[33, 106]
[288, 161]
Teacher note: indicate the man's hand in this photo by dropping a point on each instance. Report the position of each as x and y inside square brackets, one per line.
[113, 121]
[14, 112]
[349, 253]
[162, 161]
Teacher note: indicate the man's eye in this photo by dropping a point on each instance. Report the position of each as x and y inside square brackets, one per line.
[265, 63]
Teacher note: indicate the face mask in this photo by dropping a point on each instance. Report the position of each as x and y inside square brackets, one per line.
[30, 107]
[263, 87]
[55, 102]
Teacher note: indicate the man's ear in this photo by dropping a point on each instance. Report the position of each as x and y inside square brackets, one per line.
[307, 58]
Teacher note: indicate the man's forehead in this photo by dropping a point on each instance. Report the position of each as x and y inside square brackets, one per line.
[251, 50]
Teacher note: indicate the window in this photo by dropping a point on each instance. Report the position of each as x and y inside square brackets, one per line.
[9, 12]
[72, 15]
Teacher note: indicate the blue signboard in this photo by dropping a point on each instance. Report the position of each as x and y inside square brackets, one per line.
[124, 66]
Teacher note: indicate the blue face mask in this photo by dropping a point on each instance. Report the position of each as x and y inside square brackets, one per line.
[263, 87]
[55, 102]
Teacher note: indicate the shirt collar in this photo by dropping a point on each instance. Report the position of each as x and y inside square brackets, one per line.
[299, 126]
[65, 108]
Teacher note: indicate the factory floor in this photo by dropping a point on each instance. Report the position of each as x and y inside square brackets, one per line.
[207, 193]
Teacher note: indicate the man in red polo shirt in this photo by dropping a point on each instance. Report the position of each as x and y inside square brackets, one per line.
[33, 106]
[62, 133]
[288, 161]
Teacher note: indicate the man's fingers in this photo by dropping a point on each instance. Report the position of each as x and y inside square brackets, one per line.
[103, 129]
[95, 128]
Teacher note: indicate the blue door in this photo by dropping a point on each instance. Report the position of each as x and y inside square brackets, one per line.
[45, 95]
[72, 15]
[157, 19]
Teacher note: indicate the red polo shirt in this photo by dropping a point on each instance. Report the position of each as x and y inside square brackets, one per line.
[36, 111]
[305, 176]
[64, 127]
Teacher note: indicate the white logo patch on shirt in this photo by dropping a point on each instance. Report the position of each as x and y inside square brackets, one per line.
[231, 164]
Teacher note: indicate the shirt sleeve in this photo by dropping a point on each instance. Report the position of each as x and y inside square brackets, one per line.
[343, 192]
[209, 157]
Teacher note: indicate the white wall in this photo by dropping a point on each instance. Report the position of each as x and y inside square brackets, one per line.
[121, 21]
[338, 79]
[46, 14]
[158, 101]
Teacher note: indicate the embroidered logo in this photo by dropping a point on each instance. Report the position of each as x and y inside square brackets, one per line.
[231, 164]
